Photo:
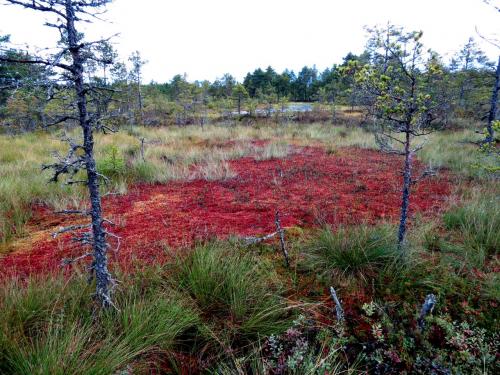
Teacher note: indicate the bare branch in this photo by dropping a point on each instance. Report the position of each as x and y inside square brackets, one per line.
[36, 61]
[70, 228]
[36, 5]
[66, 261]
[73, 212]
[493, 42]
[429, 172]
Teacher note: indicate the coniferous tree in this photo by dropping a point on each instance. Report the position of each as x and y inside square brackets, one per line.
[70, 61]
[398, 87]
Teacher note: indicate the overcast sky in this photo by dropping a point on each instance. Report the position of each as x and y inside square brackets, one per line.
[206, 38]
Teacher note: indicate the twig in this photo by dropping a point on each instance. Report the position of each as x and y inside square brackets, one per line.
[118, 241]
[111, 193]
[66, 261]
[427, 173]
[72, 212]
[104, 220]
[142, 148]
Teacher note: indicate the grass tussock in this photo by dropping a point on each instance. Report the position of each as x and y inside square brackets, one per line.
[239, 291]
[455, 151]
[215, 297]
[473, 227]
[358, 251]
[272, 151]
[48, 327]
[214, 170]
[478, 221]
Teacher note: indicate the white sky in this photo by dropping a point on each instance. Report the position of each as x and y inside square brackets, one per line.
[206, 38]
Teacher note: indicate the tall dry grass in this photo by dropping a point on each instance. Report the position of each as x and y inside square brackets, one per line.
[173, 153]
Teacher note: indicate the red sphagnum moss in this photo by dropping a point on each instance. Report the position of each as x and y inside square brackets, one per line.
[308, 188]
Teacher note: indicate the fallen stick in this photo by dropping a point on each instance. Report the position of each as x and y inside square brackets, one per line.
[339, 312]
[427, 308]
[254, 240]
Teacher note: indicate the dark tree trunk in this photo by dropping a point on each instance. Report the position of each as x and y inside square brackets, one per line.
[100, 262]
[68, 13]
[405, 201]
[334, 112]
[493, 105]
[461, 98]
[139, 98]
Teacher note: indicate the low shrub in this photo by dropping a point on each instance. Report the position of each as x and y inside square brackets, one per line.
[112, 164]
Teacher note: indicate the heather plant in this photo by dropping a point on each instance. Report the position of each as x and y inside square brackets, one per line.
[465, 349]
[301, 349]
[442, 347]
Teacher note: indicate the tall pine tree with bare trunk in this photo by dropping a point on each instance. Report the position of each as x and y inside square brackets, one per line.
[70, 61]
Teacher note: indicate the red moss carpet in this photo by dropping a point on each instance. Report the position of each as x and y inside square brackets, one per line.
[308, 188]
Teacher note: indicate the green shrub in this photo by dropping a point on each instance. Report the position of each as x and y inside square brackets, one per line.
[113, 163]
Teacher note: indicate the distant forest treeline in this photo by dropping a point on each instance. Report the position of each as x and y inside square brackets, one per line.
[466, 84]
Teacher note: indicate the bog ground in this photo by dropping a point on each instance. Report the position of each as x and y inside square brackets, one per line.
[341, 220]
[192, 297]
[308, 187]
